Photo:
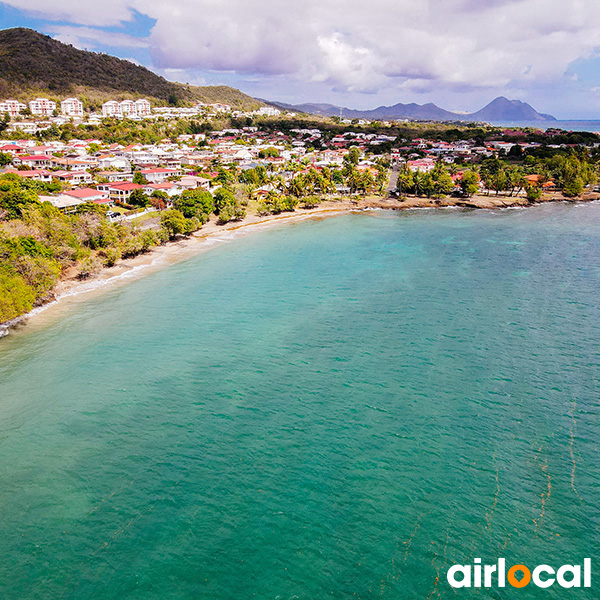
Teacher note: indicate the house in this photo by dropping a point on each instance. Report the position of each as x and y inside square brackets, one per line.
[89, 195]
[114, 176]
[111, 109]
[36, 174]
[14, 149]
[12, 107]
[127, 108]
[74, 163]
[71, 107]
[142, 108]
[191, 182]
[168, 187]
[63, 202]
[42, 107]
[424, 165]
[159, 175]
[114, 162]
[73, 177]
[33, 161]
[120, 192]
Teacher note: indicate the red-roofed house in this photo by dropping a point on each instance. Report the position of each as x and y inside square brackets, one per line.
[73, 177]
[120, 192]
[36, 174]
[89, 195]
[14, 149]
[40, 161]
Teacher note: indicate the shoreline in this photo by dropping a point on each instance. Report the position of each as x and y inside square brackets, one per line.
[211, 233]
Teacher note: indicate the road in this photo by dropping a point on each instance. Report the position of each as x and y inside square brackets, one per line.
[393, 179]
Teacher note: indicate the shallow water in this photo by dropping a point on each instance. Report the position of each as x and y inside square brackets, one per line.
[330, 409]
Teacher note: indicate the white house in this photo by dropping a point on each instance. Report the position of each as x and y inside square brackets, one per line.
[12, 107]
[126, 108]
[42, 107]
[142, 108]
[72, 107]
[159, 175]
[111, 109]
[114, 162]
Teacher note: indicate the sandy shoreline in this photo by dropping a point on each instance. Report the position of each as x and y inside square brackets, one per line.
[68, 290]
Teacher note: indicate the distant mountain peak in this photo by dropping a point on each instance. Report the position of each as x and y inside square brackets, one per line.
[499, 109]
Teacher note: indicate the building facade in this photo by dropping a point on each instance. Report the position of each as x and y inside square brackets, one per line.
[71, 107]
[12, 107]
[42, 107]
[126, 108]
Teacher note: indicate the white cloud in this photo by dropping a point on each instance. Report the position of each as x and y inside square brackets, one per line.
[359, 46]
[90, 38]
[84, 12]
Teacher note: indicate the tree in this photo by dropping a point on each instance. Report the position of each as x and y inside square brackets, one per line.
[138, 198]
[405, 181]
[469, 183]
[353, 156]
[232, 211]
[573, 186]
[173, 222]
[5, 159]
[159, 199]
[195, 203]
[15, 201]
[139, 178]
[223, 197]
[16, 297]
[443, 184]
[532, 192]
[268, 153]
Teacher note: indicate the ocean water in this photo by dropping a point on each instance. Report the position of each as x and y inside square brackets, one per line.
[579, 125]
[340, 408]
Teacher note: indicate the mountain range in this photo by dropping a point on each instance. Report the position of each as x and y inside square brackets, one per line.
[500, 109]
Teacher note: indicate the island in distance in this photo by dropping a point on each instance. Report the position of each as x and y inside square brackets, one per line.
[498, 110]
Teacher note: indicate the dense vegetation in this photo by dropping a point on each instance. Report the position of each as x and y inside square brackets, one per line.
[32, 63]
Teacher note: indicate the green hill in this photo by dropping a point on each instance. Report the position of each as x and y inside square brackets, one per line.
[34, 64]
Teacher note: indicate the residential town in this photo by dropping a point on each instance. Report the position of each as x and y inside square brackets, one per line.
[92, 170]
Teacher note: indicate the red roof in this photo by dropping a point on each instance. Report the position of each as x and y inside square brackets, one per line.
[125, 186]
[35, 157]
[34, 173]
[161, 186]
[84, 193]
[158, 170]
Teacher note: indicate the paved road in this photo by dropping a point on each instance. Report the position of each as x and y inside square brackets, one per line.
[393, 179]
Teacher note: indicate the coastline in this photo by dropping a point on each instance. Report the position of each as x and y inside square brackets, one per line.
[211, 233]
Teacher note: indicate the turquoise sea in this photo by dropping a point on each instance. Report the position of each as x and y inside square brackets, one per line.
[338, 408]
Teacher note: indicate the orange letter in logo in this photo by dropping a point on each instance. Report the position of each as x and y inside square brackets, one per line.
[514, 581]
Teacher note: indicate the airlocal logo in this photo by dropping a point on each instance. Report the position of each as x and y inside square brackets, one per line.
[543, 576]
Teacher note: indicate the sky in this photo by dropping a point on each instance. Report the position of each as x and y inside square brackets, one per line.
[459, 54]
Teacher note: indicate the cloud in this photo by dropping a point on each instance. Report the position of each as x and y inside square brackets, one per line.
[107, 12]
[357, 46]
[90, 38]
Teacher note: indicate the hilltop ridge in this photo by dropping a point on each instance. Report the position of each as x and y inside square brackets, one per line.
[33, 64]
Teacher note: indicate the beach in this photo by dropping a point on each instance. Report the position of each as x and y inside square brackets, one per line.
[71, 289]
